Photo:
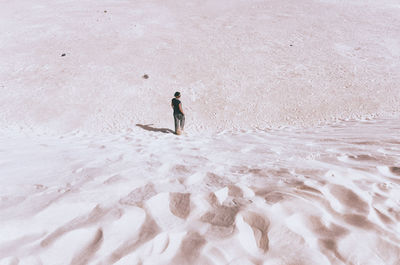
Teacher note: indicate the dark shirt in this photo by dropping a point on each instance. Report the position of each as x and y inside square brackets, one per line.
[175, 104]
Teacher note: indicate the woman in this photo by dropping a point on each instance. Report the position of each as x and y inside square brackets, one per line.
[179, 115]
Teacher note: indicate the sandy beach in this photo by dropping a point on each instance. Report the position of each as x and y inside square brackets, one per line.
[291, 150]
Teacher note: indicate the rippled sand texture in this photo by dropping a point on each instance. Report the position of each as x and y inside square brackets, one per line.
[238, 64]
[329, 195]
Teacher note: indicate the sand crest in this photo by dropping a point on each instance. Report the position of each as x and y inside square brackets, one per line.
[289, 197]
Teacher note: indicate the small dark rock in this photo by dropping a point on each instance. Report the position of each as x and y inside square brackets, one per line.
[62, 55]
[105, 11]
[395, 170]
[291, 45]
[145, 76]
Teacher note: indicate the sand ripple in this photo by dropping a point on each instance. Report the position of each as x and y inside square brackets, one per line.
[260, 197]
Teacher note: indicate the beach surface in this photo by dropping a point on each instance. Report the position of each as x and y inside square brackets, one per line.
[291, 150]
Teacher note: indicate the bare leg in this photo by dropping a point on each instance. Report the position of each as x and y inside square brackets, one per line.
[176, 121]
[182, 122]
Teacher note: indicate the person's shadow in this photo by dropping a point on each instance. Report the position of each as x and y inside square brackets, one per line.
[148, 127]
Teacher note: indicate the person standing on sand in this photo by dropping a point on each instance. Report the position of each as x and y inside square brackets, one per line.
[179, 115]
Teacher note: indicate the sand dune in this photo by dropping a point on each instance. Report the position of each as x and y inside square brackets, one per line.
[326, 196]
[292, 148]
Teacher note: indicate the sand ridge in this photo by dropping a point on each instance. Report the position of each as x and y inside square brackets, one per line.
[325, 196]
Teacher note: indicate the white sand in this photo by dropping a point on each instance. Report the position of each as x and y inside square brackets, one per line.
[330, 195]
[90, 172]
[232, 61]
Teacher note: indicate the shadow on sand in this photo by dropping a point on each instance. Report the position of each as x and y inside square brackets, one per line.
[148, 127]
